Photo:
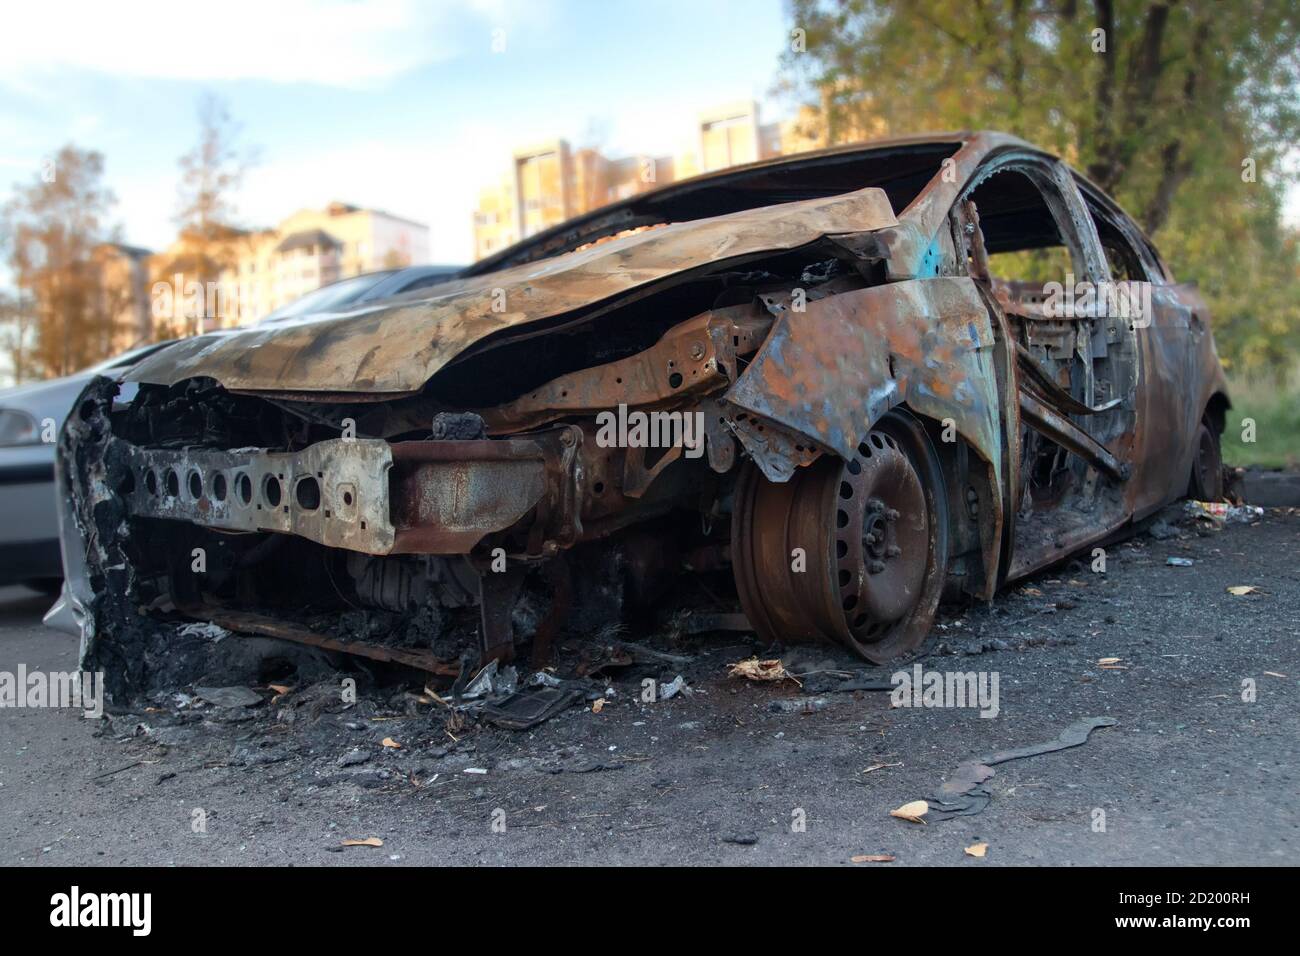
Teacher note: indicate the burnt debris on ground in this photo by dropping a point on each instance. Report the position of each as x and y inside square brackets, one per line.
[343, 719]
[1190, 773]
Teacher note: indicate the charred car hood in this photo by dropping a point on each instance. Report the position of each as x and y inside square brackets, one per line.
[397, 348]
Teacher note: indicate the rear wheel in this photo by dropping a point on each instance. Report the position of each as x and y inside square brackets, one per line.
[1206, 483]
[852, 551]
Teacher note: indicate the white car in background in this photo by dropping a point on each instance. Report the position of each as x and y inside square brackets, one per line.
[347, 295]
[30, 418]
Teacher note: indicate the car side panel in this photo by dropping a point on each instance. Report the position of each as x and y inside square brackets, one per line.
[1180, 372]
[29, 531]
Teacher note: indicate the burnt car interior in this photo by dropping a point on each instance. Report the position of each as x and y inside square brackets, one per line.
[1078, 373]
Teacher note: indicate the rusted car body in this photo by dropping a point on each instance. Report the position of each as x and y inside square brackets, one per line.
[883, 418]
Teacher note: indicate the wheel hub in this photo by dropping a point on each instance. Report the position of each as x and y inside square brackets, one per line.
[881, 583]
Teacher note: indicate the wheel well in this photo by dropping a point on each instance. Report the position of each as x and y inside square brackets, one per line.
[974, 507]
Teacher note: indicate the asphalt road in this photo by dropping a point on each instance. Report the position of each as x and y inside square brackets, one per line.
[1189, 774]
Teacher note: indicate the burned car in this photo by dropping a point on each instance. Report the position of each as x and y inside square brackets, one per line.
[836, 386]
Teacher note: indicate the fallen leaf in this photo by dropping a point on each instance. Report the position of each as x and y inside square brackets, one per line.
[977, 850]
[754, 669]
[598, 706]
[1274, 674]
[1240, 589]
[912, 812]
[1032, 592]
[391, 743]
[280, 688]
[1109, 660]
[872, 858]
[368, 841]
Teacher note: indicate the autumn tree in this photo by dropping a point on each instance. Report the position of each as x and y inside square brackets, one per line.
[211, 174]
[61, 320]
[1183, 110]
[16, 333]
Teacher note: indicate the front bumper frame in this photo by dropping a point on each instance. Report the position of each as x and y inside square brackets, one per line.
[364, 495]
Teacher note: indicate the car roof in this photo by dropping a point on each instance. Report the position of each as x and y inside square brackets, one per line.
[400, 278]
[729, 177]
[385, 284]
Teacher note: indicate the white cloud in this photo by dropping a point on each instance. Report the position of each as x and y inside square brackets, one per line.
[145, 206]
[341, 43]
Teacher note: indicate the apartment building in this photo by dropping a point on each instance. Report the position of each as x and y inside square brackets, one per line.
[494, 219]
[261, 270]
[550, 182]
[732, 135]
[123, 287]
[313, 247]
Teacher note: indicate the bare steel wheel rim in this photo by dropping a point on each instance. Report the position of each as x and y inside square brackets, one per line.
[847, 551]
[881, 539]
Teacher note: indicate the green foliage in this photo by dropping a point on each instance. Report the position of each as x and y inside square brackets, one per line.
[1224, 234]
[1167, 106]
[1039, 266]
[1274, 407]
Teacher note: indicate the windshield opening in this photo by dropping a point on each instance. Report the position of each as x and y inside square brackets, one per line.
[329, 298]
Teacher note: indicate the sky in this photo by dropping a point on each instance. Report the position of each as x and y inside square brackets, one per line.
[406, 106]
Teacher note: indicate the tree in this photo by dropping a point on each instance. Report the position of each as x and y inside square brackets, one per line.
[15, 336]
[1163, 104]
[211, 173]
[393, 259]
[50, 230]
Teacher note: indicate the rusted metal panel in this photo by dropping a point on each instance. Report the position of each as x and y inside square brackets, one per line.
[242, 622]
[334, 492]
[448, 495]
[692, 358]
[397, 348]
[1180, 373]
[428, 497]
[1070, 436]
[831, 371]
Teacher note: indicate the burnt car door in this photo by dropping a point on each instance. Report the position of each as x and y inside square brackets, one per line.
[1172, 328]
[1070, 363]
